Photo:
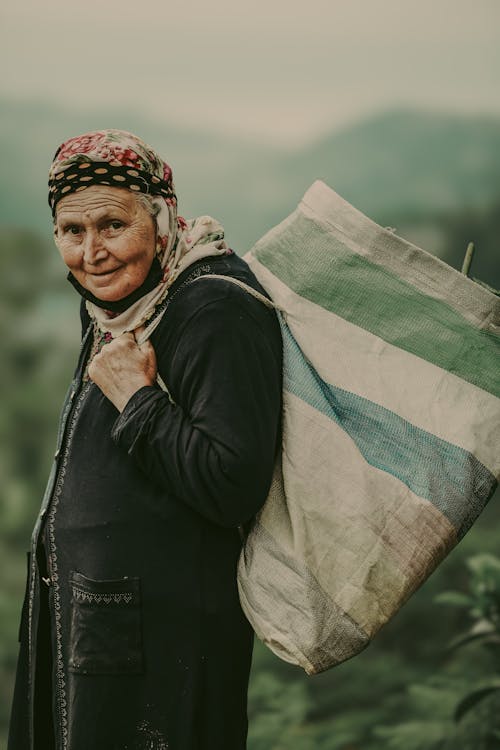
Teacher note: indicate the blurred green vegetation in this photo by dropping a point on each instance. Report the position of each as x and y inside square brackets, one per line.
[402, 691]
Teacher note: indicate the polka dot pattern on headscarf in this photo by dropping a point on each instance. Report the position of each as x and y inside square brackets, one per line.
[113, 158]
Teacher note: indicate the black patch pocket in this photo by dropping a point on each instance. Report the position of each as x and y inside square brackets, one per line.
[105, 633]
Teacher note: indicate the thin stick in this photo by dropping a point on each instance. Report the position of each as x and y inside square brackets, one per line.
[469, 254]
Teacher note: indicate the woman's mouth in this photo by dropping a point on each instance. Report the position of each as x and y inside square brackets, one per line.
[103, 274]
[101, 279]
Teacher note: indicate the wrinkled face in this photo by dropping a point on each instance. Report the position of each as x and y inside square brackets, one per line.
[107, 239]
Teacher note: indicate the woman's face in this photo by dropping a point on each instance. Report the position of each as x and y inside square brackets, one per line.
[107, 239]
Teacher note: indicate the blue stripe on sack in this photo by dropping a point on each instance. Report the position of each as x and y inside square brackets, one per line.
[451, 478]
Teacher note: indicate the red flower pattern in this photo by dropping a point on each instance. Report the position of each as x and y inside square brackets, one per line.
[80, 145]
[167, 172]
[101, 148]
[116, 146]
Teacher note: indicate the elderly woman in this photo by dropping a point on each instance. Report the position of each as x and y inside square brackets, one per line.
[132, 634]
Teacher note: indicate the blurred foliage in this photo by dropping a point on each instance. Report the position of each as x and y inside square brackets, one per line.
[401, 692]
[460, 707]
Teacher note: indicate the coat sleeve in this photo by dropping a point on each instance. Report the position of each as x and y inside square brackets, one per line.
[214, 449]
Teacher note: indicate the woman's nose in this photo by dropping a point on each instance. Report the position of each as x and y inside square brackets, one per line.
[94, 250]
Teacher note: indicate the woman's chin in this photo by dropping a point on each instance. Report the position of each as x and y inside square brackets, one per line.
[108, 287]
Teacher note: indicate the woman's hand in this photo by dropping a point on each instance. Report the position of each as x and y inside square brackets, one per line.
[122, 367]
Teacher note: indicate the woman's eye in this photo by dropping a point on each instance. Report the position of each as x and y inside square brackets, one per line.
[116, 224]
[72, 229]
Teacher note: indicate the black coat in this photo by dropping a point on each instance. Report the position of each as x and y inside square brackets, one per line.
[150, 648]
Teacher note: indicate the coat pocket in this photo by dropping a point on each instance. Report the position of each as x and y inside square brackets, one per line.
[105, 636]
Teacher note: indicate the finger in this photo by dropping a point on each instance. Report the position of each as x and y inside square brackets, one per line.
[125, 341]
[140, 336]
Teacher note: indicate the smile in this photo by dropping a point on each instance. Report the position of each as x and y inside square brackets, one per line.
[103, 274]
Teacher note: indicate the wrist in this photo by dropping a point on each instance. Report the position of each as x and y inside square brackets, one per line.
[122, 398]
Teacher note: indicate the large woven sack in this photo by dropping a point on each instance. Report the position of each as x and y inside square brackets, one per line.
[391, 439]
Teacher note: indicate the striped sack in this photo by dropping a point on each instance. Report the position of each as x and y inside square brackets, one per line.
[391, 444]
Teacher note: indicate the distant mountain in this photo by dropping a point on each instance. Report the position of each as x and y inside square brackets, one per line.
[403, 168]
[411, 163]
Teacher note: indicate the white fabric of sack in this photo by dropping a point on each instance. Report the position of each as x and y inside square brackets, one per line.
[391, 429]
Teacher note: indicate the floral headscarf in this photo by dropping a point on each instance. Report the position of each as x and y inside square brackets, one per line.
[119, 159]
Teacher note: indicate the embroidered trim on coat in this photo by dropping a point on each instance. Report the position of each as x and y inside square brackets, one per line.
[90, 597]
[60, 674]
[34, 545]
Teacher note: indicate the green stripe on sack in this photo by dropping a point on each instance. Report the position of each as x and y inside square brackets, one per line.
[451, 478]
[329, 274]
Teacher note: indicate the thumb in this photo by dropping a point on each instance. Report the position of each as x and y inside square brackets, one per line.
[143, 342]
[140, 335]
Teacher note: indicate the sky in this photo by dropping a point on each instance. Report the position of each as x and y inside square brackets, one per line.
[274, 71]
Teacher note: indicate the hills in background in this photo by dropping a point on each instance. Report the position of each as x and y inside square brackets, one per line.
[436, 178]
